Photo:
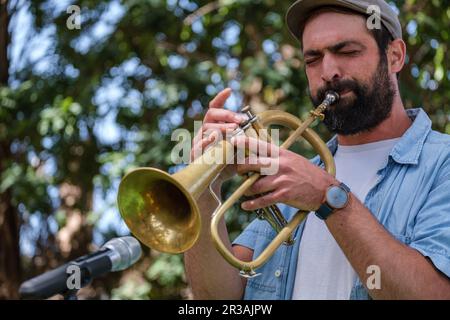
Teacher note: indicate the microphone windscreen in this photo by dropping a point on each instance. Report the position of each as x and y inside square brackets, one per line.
[124, 252]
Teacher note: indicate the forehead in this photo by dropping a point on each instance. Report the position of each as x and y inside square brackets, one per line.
[326, 28]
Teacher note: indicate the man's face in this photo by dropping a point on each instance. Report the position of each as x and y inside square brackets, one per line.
[341, 55]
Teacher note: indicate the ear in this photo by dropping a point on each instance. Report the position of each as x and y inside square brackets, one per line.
[396, 55]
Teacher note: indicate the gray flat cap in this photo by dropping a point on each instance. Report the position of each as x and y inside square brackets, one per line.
[299, 12]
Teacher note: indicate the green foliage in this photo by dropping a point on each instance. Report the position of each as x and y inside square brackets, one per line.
[132, 291]
[167, 270]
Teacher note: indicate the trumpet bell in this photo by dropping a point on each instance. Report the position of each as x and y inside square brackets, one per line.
[159, 210]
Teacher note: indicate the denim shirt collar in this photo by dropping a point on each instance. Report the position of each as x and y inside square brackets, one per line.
[408, 149]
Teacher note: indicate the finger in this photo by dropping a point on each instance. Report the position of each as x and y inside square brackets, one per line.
[220, 98]
[254, 164]
[261, 202]
[222, 115]
[256, 146]
[218, 127]
[262, 185]
[214, 131]
[199, 147]
[199, 136]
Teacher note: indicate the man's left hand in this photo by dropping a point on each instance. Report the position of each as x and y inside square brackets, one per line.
[297, 182]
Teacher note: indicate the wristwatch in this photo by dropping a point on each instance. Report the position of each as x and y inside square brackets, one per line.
[336, 197]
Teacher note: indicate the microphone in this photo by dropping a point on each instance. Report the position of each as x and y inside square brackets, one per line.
[115, 255]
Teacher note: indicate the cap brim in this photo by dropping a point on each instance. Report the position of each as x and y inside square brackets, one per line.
[300, 10]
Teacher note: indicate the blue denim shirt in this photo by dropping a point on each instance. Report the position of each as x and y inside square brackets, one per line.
[411, 199]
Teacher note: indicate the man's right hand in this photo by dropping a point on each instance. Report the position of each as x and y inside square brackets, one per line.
[217, 121]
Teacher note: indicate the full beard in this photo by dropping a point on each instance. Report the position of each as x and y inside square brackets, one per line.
[370, 105]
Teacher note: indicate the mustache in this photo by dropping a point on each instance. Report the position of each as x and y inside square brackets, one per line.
[339, 87]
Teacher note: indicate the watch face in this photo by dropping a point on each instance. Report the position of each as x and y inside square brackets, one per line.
[337, 197]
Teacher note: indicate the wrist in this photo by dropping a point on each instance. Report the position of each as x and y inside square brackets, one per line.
[336, 198]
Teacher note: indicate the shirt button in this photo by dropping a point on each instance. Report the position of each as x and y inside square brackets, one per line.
[277, 273]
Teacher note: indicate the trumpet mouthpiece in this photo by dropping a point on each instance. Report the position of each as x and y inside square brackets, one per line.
[331, 97]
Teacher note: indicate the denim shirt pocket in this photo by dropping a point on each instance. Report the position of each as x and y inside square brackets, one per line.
[266, 286]
[359, 291]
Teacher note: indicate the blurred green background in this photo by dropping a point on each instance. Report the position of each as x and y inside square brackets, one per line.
[80, 107]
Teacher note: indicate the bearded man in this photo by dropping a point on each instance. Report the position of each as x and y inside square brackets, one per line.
[386, 214]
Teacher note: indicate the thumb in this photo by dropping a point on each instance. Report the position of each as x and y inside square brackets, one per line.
[220, 98]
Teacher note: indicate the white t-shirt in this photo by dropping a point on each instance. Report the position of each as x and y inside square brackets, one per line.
[323, 271]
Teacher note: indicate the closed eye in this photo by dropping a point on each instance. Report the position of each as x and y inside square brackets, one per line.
[311, 61]
[349, 52]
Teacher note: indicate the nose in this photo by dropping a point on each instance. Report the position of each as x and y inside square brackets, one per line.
[331, 70]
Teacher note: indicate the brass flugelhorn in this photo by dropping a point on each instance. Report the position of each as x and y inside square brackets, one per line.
[161, 209]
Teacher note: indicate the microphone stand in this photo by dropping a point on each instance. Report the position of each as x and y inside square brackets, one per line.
[70, 294]
[115, 255]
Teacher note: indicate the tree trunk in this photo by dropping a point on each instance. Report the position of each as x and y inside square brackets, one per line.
[9, 248]
[10, 267]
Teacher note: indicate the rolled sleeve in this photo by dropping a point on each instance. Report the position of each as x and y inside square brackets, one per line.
[248, 237]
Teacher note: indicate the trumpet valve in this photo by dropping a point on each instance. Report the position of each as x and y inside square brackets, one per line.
[251, 117]
[317, 114]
